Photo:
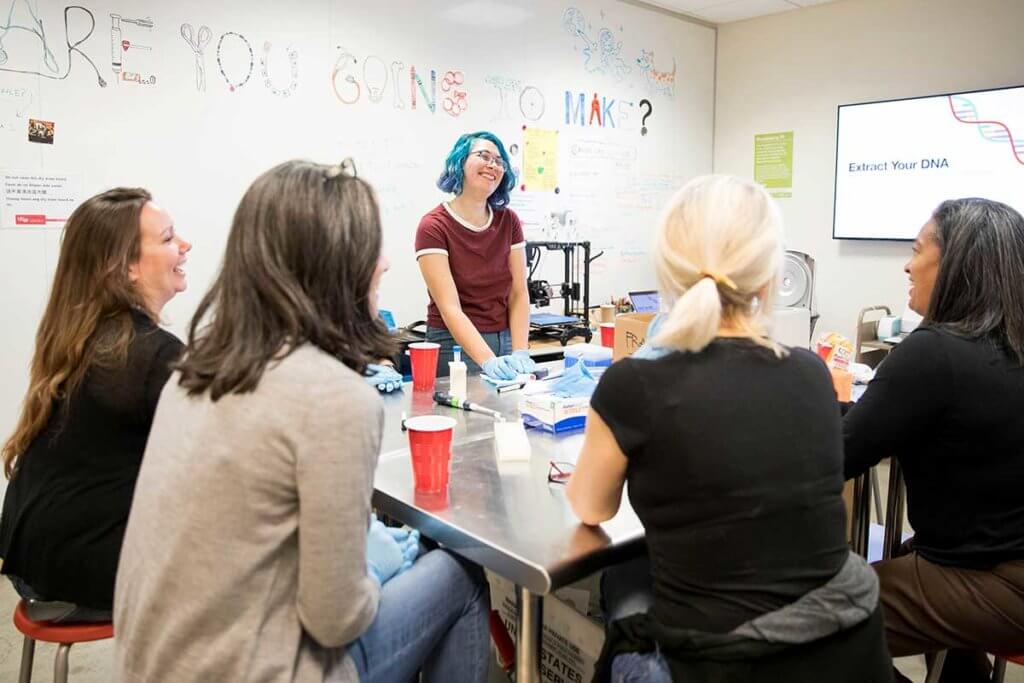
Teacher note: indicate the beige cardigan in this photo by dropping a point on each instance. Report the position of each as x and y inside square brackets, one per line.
[244, 557]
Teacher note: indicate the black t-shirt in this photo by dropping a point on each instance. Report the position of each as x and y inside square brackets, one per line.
[951, 410]
[66, 507]
[735, 470]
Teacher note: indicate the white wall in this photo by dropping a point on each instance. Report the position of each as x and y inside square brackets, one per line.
[790, 71]
[197, 150]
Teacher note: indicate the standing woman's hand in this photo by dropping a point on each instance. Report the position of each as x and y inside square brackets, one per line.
[522, 363]
[500, 367]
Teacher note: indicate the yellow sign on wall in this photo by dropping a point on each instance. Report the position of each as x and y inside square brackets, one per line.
[773, 162]
[540, 160]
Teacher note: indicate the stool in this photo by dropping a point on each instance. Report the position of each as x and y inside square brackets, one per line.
[65, 635]
[998, 666]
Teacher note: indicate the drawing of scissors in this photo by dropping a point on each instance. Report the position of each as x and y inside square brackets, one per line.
[198, 44]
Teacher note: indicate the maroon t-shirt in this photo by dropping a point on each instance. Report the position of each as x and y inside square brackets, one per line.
[478, 260]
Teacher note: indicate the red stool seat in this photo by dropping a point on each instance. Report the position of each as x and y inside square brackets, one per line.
[68, 634]
[1016, 659]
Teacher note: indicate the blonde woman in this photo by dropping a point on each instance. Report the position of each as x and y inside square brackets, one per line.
[732, 448]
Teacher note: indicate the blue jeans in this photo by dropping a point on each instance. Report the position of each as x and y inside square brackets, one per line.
[38, 608]
[499, 342]
[627, 589]
[432, 617]
[640, 667]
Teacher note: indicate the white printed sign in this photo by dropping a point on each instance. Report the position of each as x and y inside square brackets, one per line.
[38, 200]
[571, 643]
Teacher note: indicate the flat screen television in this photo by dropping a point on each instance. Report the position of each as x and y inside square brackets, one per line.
[897, 160]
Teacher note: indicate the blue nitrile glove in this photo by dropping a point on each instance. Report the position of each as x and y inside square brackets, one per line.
[384, 555]
[522, 363]
[383, 377]
[575, 381]
[500, 367]
[409, 541]
[649, 351]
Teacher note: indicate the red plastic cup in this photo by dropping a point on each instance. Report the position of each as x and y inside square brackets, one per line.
[430, 443]
[434, 502]
[423, 357]
[422, 403]
[608, 335]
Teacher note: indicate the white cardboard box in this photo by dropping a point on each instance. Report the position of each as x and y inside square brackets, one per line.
[571, 642]
[554, 413]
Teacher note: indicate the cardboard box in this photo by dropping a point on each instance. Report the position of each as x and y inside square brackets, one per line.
[571, 642]
[554, 413]
[630, 333]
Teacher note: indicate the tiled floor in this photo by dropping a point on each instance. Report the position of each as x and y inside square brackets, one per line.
[91, 662]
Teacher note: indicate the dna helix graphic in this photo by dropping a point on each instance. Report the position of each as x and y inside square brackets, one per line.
[964, 111]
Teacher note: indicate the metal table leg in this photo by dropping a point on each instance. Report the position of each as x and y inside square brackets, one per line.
[528, 635]
[876, 496]
[894, 511]
[860, 525]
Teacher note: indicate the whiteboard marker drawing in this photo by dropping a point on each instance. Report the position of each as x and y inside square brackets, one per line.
[115, 43]
[293, 64]
[374, 72]
[505, 86]
[48, 58]
[198, 42]
[660, 82]
[118, 46]
[455, 100]
[396, 70]
[344, 60]
[232, 86]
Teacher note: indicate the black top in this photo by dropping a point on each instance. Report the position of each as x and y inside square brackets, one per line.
[735, 470]
[66, 507]
[952, 411]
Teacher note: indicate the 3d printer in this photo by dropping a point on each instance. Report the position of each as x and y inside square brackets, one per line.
[574, 292]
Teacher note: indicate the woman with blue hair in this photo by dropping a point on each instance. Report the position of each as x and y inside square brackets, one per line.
[471, 251]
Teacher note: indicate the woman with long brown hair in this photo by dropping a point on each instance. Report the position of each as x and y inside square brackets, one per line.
[250, 553]
[100, 362]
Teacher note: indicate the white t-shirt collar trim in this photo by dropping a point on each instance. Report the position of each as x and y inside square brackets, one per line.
[466, 224]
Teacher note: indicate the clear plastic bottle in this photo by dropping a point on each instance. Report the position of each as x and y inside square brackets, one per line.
[457, 375]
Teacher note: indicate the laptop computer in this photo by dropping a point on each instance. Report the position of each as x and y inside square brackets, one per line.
[647, 301]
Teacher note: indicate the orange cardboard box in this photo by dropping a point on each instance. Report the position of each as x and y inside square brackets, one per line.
[630, 332]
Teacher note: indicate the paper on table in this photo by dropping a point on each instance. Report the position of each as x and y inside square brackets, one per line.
[520, 379]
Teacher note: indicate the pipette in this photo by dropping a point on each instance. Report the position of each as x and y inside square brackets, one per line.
[446, 399]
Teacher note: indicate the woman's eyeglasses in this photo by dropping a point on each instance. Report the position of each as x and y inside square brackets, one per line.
[490, 159]
[559, 472]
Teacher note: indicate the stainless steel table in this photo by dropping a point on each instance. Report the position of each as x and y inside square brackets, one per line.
[503, 516]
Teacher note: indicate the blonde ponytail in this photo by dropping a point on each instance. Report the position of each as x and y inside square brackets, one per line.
[717, 249]
[694, 318]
